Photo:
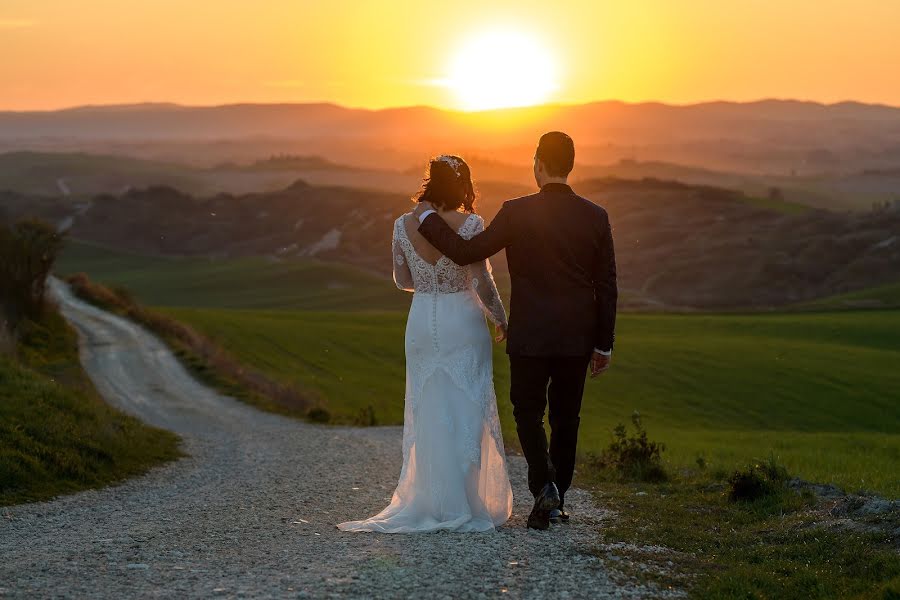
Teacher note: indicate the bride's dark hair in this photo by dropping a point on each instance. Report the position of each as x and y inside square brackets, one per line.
[448, 184]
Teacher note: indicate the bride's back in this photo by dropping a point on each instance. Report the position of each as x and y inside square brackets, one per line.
[425, 250]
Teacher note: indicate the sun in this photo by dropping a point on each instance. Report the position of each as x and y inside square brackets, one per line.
[500, 69]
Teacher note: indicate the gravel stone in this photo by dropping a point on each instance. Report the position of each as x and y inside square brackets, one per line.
[251, 511]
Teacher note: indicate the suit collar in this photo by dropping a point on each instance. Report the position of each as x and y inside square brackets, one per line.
[556, 188]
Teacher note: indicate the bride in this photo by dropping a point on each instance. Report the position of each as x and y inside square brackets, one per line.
[454, 467]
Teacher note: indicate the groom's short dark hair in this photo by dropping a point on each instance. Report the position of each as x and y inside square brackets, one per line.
[557, 151]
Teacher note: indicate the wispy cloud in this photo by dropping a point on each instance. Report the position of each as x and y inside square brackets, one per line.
[17, 23]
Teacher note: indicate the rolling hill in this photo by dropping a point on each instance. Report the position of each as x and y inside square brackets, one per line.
[678, 246]
[771, 136]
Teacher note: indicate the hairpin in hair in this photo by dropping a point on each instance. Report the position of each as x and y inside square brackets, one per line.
[454, 163]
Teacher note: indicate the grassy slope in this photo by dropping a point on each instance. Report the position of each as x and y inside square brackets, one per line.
[767, 548]
[241, 283]
[817, 390]
[883, 296]
[56, 433]
[784, 207]
[85, 174]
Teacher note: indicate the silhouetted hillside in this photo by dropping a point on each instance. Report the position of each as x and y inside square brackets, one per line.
[678, 245]
[703, 246]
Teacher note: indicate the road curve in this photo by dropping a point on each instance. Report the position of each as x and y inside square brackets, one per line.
[251, 511]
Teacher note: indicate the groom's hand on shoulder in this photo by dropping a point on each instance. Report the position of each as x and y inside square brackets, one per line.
[599, 363]
[421, 208]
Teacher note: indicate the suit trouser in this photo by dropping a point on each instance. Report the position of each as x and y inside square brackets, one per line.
[535, 382]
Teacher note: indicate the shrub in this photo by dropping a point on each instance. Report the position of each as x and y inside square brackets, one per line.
[29, 249]
[634, 457]
[366, 417]
[759, 480]
[317, 414]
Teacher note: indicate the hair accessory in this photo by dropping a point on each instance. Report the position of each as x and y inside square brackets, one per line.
[454, 162]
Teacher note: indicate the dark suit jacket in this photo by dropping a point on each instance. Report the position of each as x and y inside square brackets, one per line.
[562, 264]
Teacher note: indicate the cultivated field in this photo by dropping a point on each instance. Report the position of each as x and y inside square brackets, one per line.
[818, 390]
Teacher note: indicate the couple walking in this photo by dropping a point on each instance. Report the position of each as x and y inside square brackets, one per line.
[562, 267]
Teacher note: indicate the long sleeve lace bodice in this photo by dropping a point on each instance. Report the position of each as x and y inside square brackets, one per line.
[483, 280]
[402, 275]
[412, 273]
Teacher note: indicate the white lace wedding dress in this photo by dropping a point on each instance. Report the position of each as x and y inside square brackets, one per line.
[454, 467]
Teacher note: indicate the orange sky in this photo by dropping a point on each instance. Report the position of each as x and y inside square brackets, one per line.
[377, 53]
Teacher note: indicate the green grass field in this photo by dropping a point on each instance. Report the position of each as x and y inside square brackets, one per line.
[782, 206]
[257, 283]
[56, 434]
[819, 391]
[884, 296]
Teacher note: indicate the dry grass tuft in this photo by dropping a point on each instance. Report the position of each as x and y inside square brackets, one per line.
[202, 356]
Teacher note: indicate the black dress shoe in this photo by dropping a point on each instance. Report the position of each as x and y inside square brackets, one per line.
[546, 501]
[539, 519]
[559, 515]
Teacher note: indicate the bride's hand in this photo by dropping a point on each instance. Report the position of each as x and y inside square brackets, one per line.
[501, 333]
[599, 364]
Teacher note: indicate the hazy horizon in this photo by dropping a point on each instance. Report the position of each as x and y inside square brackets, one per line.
[399, 53]
[713, 101]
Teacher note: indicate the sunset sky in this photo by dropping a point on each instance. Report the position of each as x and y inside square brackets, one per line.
[378, 53]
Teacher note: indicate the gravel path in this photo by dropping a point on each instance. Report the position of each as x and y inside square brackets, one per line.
[251, 511]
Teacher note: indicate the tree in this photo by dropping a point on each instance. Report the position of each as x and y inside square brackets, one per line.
[28, 250]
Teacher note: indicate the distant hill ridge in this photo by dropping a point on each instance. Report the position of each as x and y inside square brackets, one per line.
[678, 245]
[771, 137]
[156, 120]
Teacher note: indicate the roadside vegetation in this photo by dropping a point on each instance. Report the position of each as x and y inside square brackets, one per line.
[208, 361]
[754, 532]
[56, 434]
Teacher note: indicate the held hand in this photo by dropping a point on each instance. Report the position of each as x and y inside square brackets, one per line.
[599, 364]
[421, 208]
[501, 331]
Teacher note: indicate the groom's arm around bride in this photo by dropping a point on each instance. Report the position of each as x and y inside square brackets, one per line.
[562, 267]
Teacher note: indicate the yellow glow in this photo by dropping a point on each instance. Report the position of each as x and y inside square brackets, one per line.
[383, 53]
[500, 69]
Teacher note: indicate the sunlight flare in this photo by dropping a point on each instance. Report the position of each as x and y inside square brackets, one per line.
[500, 69]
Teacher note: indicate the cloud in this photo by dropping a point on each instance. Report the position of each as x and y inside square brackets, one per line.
[17, 23]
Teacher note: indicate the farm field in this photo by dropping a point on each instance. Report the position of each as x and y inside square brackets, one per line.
[240, 283]
[819, 390]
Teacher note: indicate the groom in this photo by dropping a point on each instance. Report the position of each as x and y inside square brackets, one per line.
[559, 248]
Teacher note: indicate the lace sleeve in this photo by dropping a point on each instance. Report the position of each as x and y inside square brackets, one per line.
[484, 286]
[402, 275]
